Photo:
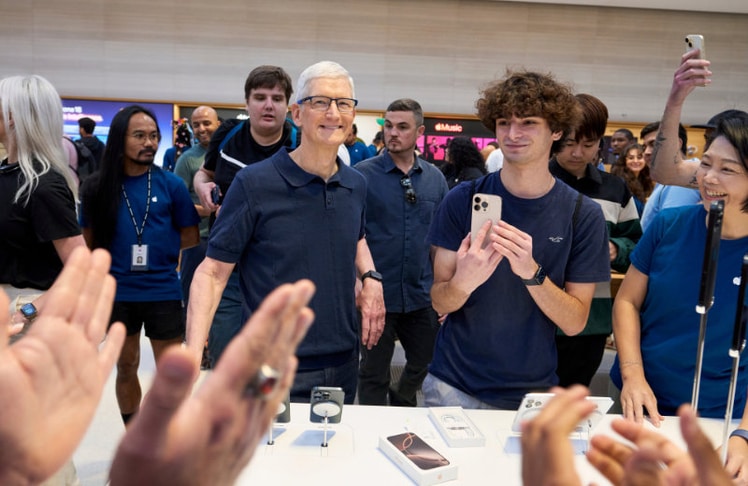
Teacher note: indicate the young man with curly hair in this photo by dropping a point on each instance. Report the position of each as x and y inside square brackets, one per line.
[504, 302]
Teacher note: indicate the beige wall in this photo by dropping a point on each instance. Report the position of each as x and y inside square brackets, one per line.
[440, 51]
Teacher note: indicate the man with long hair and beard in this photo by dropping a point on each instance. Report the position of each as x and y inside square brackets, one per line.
[143, 216]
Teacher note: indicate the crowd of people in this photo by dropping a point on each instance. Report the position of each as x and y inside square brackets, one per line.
[261, 208]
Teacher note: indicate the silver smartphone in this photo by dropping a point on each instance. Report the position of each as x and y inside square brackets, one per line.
[696, 41]
[533, 403]
[483, 207]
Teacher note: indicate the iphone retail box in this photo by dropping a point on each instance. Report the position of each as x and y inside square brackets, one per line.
[421, 462]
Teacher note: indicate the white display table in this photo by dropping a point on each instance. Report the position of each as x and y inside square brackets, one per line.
[352, 456]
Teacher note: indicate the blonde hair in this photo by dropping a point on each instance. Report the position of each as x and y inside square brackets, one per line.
[32, 115]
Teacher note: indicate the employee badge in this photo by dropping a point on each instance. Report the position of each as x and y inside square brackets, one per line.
[139, 261]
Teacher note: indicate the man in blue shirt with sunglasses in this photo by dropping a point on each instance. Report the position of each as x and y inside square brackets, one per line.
[403, 194]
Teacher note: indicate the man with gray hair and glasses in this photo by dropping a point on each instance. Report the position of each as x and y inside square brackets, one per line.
[301, 214]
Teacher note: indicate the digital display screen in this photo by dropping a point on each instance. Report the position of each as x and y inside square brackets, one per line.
[439, 131]
[102, 113]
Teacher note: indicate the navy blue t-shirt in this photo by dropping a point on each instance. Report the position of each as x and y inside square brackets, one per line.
[500, 345]
[281, 224]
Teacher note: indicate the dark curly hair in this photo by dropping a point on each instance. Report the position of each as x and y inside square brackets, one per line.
[525, 94]
[463, 153]
[641, 185]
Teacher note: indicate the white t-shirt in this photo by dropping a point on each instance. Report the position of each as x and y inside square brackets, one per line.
[495, 161]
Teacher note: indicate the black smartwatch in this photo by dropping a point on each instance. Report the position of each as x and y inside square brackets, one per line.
[28, 311]
[536, 279]
[372, 274]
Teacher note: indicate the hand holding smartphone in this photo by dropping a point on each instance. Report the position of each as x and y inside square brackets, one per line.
[215, 195]
[484, 207]
[696, 41]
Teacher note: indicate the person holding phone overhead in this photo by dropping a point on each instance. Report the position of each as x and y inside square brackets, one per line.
[505, 301]
[654, 321]
[694, 72]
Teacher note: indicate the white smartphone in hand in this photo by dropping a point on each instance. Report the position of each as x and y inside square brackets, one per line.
[483, 207]
[696, 41]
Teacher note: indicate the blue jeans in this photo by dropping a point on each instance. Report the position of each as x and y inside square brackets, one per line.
[228, 320]
[416, 331]
[344, 376]
[437, 393]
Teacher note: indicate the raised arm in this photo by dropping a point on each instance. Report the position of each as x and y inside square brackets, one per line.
[52, 379]
[668, 166]
[166, 444]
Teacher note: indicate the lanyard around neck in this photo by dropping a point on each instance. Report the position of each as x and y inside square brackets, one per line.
[139, 232]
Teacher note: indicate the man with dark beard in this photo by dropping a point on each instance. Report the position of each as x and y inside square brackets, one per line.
[143, 216]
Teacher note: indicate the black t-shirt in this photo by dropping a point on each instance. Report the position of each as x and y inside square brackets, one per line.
[241, 150]
[27, 255]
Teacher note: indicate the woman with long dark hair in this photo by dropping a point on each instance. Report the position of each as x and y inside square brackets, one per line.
[463, 162]
[632, 168]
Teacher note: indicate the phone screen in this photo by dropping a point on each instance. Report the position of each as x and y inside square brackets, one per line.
[417, 451]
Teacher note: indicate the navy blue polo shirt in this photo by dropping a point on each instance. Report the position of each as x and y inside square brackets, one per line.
[396, 229]
[280, 224]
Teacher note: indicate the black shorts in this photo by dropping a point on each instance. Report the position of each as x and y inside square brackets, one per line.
[163, 320]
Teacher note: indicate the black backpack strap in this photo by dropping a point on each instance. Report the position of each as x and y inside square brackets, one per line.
[575, 216]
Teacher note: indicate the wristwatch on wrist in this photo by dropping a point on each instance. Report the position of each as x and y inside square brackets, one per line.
[28, 311]
[372, 274]
[536, 279]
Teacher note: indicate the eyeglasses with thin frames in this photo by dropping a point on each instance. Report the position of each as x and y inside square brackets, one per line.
[410, 193]
[322, 103]
[141, 137]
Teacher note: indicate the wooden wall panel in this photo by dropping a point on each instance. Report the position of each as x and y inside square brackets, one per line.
[440, 52]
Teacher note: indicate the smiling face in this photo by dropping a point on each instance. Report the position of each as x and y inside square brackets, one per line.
[634, 158]
[525, 140]
[328, 127]
[204, 122]
[575, 155]
[721, 175]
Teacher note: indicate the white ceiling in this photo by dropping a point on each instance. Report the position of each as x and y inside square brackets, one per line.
[723, 6]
